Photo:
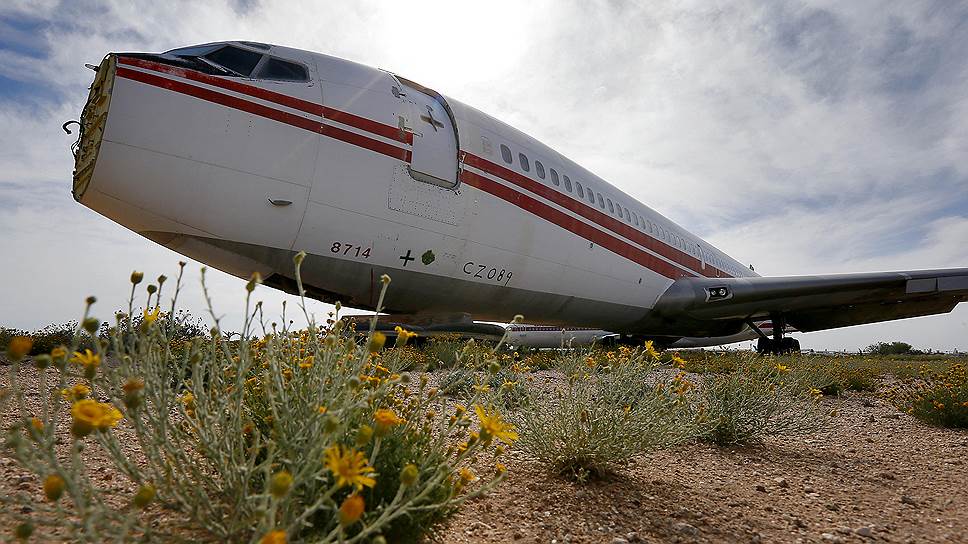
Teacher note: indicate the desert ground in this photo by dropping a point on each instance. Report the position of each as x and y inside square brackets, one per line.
[874, 474]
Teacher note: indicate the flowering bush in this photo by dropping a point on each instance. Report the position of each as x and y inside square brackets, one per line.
[611, 407]
[762, 397]
[936, 397]
[305, 435]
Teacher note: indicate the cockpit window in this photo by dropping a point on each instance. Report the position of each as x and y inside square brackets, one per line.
[193, 51]
[238, 60]
[281, 70]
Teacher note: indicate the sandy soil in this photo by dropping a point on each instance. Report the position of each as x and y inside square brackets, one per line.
[875, 475]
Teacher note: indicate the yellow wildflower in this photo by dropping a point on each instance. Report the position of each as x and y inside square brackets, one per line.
[151, 317]
[403, 336]
[274, 537]
[37, 424]
[77, 392]
[280, 483]
[321, 409]
[19, 346]
[782, 368]
[54, 487]
[386, 418]
[144, 495]
[376, 342]
[650, 350]
[351, 510]
[58, 353]
[500, 468]
[467, 475]
[350, 467]
[89, 360]
[307, 362]
[678, 361]
[492, 426]
[89, 415]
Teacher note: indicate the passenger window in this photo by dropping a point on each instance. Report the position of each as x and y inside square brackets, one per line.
[591, 196]
[581, 193]
[618, 210]
[506, 154]
[525, 165]
[611, 208]
[567, 184]
[601, 201]
[635, 219]
[554, 177]
[627, 218]
[238, 60]
[280, 70]
[539, 168]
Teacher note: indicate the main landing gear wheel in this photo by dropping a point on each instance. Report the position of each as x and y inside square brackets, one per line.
[777, 345]
[769, 345]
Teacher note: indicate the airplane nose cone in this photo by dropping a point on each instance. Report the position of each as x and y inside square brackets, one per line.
[93, 120]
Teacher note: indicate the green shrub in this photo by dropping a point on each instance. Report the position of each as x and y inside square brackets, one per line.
[761, 398]
[935, 397]
[304, 435]
[607, 411]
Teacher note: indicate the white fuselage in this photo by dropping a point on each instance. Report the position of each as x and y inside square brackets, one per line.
[369, 173]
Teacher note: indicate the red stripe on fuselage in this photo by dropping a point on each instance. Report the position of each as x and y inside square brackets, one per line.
[574, 225]
[267, 112]
[538, 208]
[362, 123]
[594, 215]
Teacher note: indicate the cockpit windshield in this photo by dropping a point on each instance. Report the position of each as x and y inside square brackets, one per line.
[230, 60]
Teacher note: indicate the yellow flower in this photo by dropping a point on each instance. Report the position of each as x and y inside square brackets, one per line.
[89, 415]
[87, 359]
[782, 368]
[467, 475]
[54, 487]
[144, 495]
[321, 409]
[307, 362]
[37, 424]
[650, 350]
[403, 336]
[409, 474]
[385, 419]
[77, 392]
[492, 426]
[19, 346]
[376, 342]
[349, 466]
[678, 361]
[274, 537]
[500, 468]
[351, 510]
[151, 317]
[280, 483]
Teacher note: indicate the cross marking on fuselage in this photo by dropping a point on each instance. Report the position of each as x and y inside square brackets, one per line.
[430, 119]
[407, 258]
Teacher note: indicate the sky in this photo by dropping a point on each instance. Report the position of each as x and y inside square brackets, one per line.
[801, 137]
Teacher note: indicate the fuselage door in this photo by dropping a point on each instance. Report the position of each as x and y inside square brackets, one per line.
[434, 140]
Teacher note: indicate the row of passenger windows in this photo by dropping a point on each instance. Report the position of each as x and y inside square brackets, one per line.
[575, 188]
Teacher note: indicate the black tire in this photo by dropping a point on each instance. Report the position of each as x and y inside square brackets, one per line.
[764, 346]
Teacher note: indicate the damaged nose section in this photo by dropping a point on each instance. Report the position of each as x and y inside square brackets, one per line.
[91, 126]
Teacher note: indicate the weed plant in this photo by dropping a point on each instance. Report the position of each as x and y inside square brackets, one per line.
[935, 397]
[605, 412]
[762, 397]
[286, 435]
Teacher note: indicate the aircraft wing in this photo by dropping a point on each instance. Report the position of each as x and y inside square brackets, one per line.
[810, 303]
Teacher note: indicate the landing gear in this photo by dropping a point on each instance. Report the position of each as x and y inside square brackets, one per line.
[768, 345]
[777, 345]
